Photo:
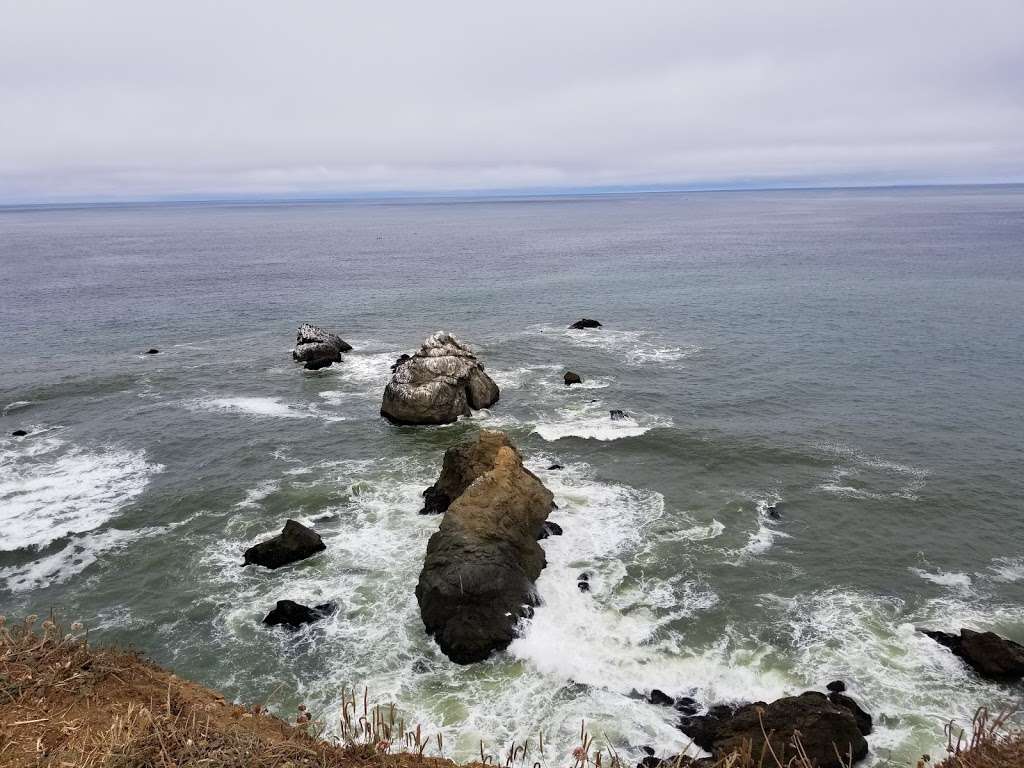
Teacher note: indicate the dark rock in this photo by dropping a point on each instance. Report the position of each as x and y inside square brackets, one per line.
[836, 686]
[152, 351]
[862, 718]
[618, 415]
[571, 378]
[400, 361]
[660, 698]
[550, 529]
[583, 577]
[553, 467]
[583, 586]
[584, 323]
[991, 656]
[295, 542]
[824, 728]
[648, 750]
[478, 576]
[294, 615]
[775, 511]
[686, 706]
[318, 348]
[462, 464]
[19, 433]
[442, 381]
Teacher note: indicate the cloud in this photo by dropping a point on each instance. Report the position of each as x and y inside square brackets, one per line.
[114, 100]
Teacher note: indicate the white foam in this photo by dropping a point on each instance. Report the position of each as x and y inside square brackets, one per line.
[593, 422]
[361, 368]
[255, 495]
[271, 407]
[1008, 569]
[634, 347]
[712, 530]
[763, 537]
[875, 476]
[49, 489]
[944, 579]
[16, 405]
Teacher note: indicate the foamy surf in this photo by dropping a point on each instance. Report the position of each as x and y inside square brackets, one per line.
[591, 421]
[267, 407]
[50, 489]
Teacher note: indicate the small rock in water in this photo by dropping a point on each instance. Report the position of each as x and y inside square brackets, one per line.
[549, 529]
[775, 511]
[152, 351]
[836, 686]
[648, 750]
[318, 348]
[19, 433]
[584, 323]
[660, 698]
[295, 542]
[618, 415]
[294, 615]
[553, 467]
[583, 582]
[571, 378]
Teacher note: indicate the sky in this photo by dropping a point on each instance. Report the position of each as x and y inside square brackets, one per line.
[109, 100]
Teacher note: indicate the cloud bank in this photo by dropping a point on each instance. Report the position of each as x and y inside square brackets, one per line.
[123, 100]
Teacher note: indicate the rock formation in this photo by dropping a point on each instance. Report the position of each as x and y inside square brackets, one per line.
[825, 728]
[293, 615]
[585, 323]
[295, 542]
[989, 654]
[318, 348]
[478, 576]
[571, 378]
[440, 382]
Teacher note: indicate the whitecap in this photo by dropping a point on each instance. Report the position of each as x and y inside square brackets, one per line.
[634, 347]
[944, 579]
[16, 406]
[255, 495]
[270, 407]
[49, 489]
[1007, 569]
[592, 422]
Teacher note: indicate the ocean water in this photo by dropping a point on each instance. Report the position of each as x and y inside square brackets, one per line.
[857, 355]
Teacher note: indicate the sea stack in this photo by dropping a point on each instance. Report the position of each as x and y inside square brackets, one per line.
[440, 382]
[478, 576]
[317, 348]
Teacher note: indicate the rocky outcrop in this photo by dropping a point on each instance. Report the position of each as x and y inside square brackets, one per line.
[293, 615]
[989, 654]
[478, 576]
[585, 323]
[317, 348]
[295, 542]
[440, 382]
[571, 378]
[462, 464]
[825, 728]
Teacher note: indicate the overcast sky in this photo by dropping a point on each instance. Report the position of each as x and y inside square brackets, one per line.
[102, 99]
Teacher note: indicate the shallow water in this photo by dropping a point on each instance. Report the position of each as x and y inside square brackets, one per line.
[855, 355]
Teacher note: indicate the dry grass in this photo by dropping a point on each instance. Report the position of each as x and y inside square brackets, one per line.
[991, 744]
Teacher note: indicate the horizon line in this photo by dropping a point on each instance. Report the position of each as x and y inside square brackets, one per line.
[470, 195]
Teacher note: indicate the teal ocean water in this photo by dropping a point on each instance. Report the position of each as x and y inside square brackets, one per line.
[857, 355]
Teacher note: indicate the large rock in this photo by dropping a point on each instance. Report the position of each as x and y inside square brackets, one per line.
[463, 463]
[293, 615]
[824, 728]
[318, 348]
[295, 542]
[440, 382]
[478, 576]
[989, 654]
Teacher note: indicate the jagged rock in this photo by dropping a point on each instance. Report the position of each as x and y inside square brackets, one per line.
[686, 706]
[862, 718]
[478, 576]
[152, 351]
[294, 615]
[549, 529]
[462, 464]
[989, 654]
[440, 382]
[660, 698]
[398, 363]
[295, 542]
[618, 415]
[825, 728]
[19, 433]
[836, 686]
[584, 323]
[571, 378]
[318, 348]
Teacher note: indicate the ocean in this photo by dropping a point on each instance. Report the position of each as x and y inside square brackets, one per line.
[856, 356]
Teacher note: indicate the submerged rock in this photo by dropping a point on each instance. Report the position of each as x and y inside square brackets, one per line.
[659, 698]
[478, 576]
[555, 467]
[571, 378]
[440, 382]
[19, 433]
[618, 415]
[294, 615]
[318, 348]
[825, 729]
[295, 542]
[549, 529]
[987, 653]
[585, 323]
[152, 351]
